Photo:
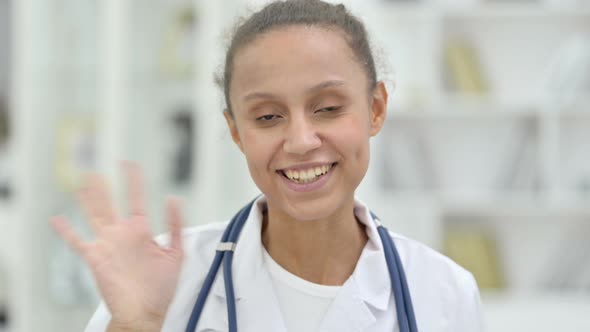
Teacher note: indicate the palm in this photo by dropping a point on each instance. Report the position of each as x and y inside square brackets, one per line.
[135, 275]
[132, 271]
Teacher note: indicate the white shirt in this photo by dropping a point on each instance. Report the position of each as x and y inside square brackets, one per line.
[303, 304]
[445, 296]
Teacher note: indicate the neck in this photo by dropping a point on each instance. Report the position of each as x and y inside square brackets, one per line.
[323, 251]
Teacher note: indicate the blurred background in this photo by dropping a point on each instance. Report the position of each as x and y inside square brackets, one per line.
[485, 155]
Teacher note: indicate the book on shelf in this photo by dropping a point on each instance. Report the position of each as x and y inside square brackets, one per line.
[521, 172]
[464, 72]
[76, 149]
[177, 50]
[5, 155]
[475, 250]
[180, 153]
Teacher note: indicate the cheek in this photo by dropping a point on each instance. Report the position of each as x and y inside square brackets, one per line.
[258, 150]
[354, 138]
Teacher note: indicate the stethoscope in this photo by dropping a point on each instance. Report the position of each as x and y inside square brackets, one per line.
[225, 253]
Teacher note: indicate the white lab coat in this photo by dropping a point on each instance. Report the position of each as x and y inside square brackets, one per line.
[444, 295]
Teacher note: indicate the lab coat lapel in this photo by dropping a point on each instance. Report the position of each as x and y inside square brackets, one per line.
[368, 290]
[349, 312]
[365, 293]
[257, 306]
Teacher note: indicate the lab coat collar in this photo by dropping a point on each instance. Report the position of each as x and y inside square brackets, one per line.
[369, 283]
[367, 289]
[371, 275]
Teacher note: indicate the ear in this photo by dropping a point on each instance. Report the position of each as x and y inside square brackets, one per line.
[378, 108]
[233, 129]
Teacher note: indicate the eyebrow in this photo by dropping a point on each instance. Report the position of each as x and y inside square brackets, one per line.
[315, 88]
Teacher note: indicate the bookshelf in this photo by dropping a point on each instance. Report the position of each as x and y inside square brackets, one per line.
[510, 160]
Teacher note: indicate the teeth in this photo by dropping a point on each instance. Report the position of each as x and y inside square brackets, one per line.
[309, 175]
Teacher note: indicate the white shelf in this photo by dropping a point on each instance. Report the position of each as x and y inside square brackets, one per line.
[477, 11]
[522, 11]
[510, 208]
[466, 113]
[495, 206]
[540, 312]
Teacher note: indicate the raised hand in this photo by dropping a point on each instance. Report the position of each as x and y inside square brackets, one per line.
[136, 277]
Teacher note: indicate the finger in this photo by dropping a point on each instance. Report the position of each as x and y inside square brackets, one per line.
[95, 199]
[135, 191]
[101, 198]
[66, 232]
[175, 223]
[84, 197]
[94, 215]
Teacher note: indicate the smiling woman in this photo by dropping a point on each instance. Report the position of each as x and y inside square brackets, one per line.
[303, 102]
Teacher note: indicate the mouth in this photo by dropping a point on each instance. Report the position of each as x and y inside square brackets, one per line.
[307, 175]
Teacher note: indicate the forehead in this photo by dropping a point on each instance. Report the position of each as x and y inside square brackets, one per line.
[298, 56]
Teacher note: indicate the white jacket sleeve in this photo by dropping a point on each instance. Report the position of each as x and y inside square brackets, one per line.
[100, 320]
[469, 313]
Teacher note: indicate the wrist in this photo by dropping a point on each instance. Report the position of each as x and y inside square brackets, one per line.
[143, 325]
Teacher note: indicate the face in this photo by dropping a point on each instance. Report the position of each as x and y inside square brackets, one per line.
[303, 117]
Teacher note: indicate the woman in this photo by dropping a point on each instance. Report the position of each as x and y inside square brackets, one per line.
[303, 102]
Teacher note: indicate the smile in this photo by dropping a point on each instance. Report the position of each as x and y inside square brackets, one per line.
[308, 175]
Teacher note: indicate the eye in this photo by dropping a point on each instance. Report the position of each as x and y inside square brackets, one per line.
[268, 117]
[328, 109]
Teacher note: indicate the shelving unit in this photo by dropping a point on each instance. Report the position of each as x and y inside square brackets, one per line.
[512, 161]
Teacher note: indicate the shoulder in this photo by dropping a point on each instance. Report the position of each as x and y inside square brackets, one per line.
[419, 259]
[417, 255]
[438, 284]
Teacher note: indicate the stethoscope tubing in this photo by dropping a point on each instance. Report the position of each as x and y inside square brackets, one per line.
[403, 301]
[411, 317]
[234, 234]
[210, 278]
[399, 286]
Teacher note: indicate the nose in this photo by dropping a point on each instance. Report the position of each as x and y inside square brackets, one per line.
[301, 136]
